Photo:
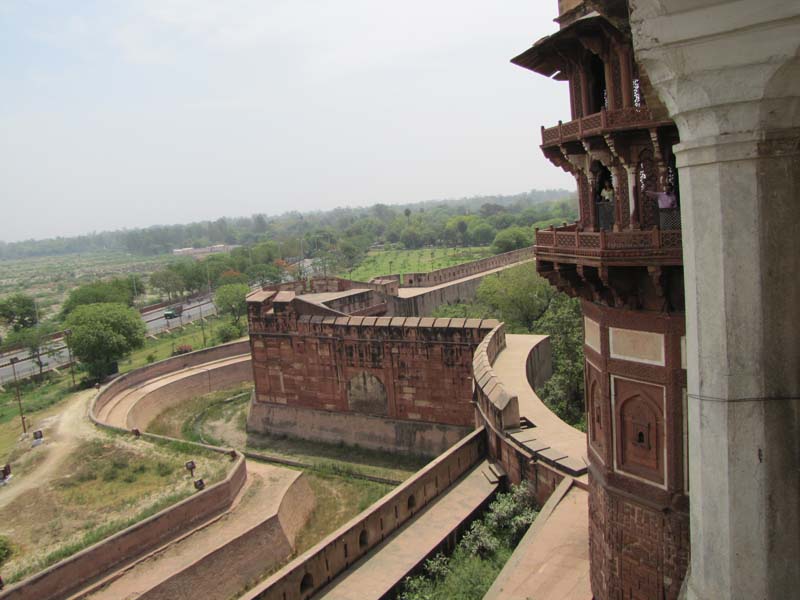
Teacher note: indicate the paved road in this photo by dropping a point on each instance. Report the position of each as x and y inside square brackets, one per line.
[154, 320]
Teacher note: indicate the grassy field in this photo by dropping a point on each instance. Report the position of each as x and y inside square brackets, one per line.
[162, 347]
[49, 279]
[385, 262]
[111, 483]
[339, 499]
[39, 401]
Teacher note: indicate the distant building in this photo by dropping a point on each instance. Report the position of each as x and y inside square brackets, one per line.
[199, 253]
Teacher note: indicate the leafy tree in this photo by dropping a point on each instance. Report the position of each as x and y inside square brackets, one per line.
[36, 340]
[563, 392]
[119, 291]
[231, 300]
[518, 296]
[407, 213]
[228, 332]
[481, 233]
[168, 281]
[18, 311]
[263, 274]
[411, 238]
[103, 333]
[513, 238]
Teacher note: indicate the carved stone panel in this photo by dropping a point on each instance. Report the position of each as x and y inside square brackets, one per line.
[639, 429]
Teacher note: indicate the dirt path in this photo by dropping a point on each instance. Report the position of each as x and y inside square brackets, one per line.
[62, 434]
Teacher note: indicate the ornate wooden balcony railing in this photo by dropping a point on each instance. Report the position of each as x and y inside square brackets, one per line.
[570, 241]
[597, 124]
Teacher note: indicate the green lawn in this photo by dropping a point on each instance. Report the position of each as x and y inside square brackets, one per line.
[163, 347]
[386, 262]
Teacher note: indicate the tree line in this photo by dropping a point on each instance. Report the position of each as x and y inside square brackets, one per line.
[383, 221]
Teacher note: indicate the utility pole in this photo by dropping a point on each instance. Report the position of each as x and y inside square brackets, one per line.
[67, 333]
[202, 325]
[14, 361]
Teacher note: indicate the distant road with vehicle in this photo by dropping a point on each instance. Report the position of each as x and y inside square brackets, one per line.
[154, 320]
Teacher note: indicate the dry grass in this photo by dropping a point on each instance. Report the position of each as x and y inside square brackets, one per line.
[109, 483]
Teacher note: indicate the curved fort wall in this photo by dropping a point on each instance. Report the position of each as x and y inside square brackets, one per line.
[509, 440]
[469, 269]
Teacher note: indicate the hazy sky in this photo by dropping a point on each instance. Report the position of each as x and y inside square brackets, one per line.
[128, 113]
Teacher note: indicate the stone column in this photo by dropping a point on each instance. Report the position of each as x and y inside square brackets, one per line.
[730, 77]
[633, 201]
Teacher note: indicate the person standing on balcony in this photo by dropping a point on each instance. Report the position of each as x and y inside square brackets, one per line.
[607, 193]
[665, 199]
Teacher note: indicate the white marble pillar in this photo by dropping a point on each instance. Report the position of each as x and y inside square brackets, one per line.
[729, 75]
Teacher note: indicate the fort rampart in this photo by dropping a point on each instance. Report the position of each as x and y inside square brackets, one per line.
[499, 412]
[469, 269]
[390, 383]
[164, 367]
[314, 569]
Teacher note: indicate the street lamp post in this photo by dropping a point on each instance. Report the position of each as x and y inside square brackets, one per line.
[67, 334]
[14, 361]
[202, 325]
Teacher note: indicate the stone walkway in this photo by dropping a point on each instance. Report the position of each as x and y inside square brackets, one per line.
[549, 431]
[552, 560]
[410, 292]
[377, 573]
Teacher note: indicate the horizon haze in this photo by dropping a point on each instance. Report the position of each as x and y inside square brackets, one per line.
[130, 114]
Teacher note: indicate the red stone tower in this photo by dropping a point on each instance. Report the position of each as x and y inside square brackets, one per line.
[623, 259]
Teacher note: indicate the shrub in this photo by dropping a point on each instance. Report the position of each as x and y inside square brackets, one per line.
[182, 349]
[163, 469]
[150, 358]
[228, 332]
[5, 549]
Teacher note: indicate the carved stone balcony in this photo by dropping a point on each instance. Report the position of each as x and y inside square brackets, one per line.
[597, 124]
[630, 247]
[631, 268]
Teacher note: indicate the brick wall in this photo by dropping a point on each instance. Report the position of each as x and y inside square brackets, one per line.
[401, 368]
[311, 571]
[464, 270]
[637, 551]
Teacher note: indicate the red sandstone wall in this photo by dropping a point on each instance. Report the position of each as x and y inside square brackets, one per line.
[465, 270]
[499, 414]
[341, 549]
[186, 388]
[164, 367]
[253, 552]
[353, 429]
[422, 366]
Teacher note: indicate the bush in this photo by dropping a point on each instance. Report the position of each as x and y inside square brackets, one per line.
[228, 332]
[5, 549]
[150, 358]
[182, 349]
[481, 554]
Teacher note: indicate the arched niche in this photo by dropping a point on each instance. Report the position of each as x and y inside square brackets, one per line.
[366, 394]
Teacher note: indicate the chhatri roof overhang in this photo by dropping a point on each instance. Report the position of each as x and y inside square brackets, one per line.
[550, 55]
